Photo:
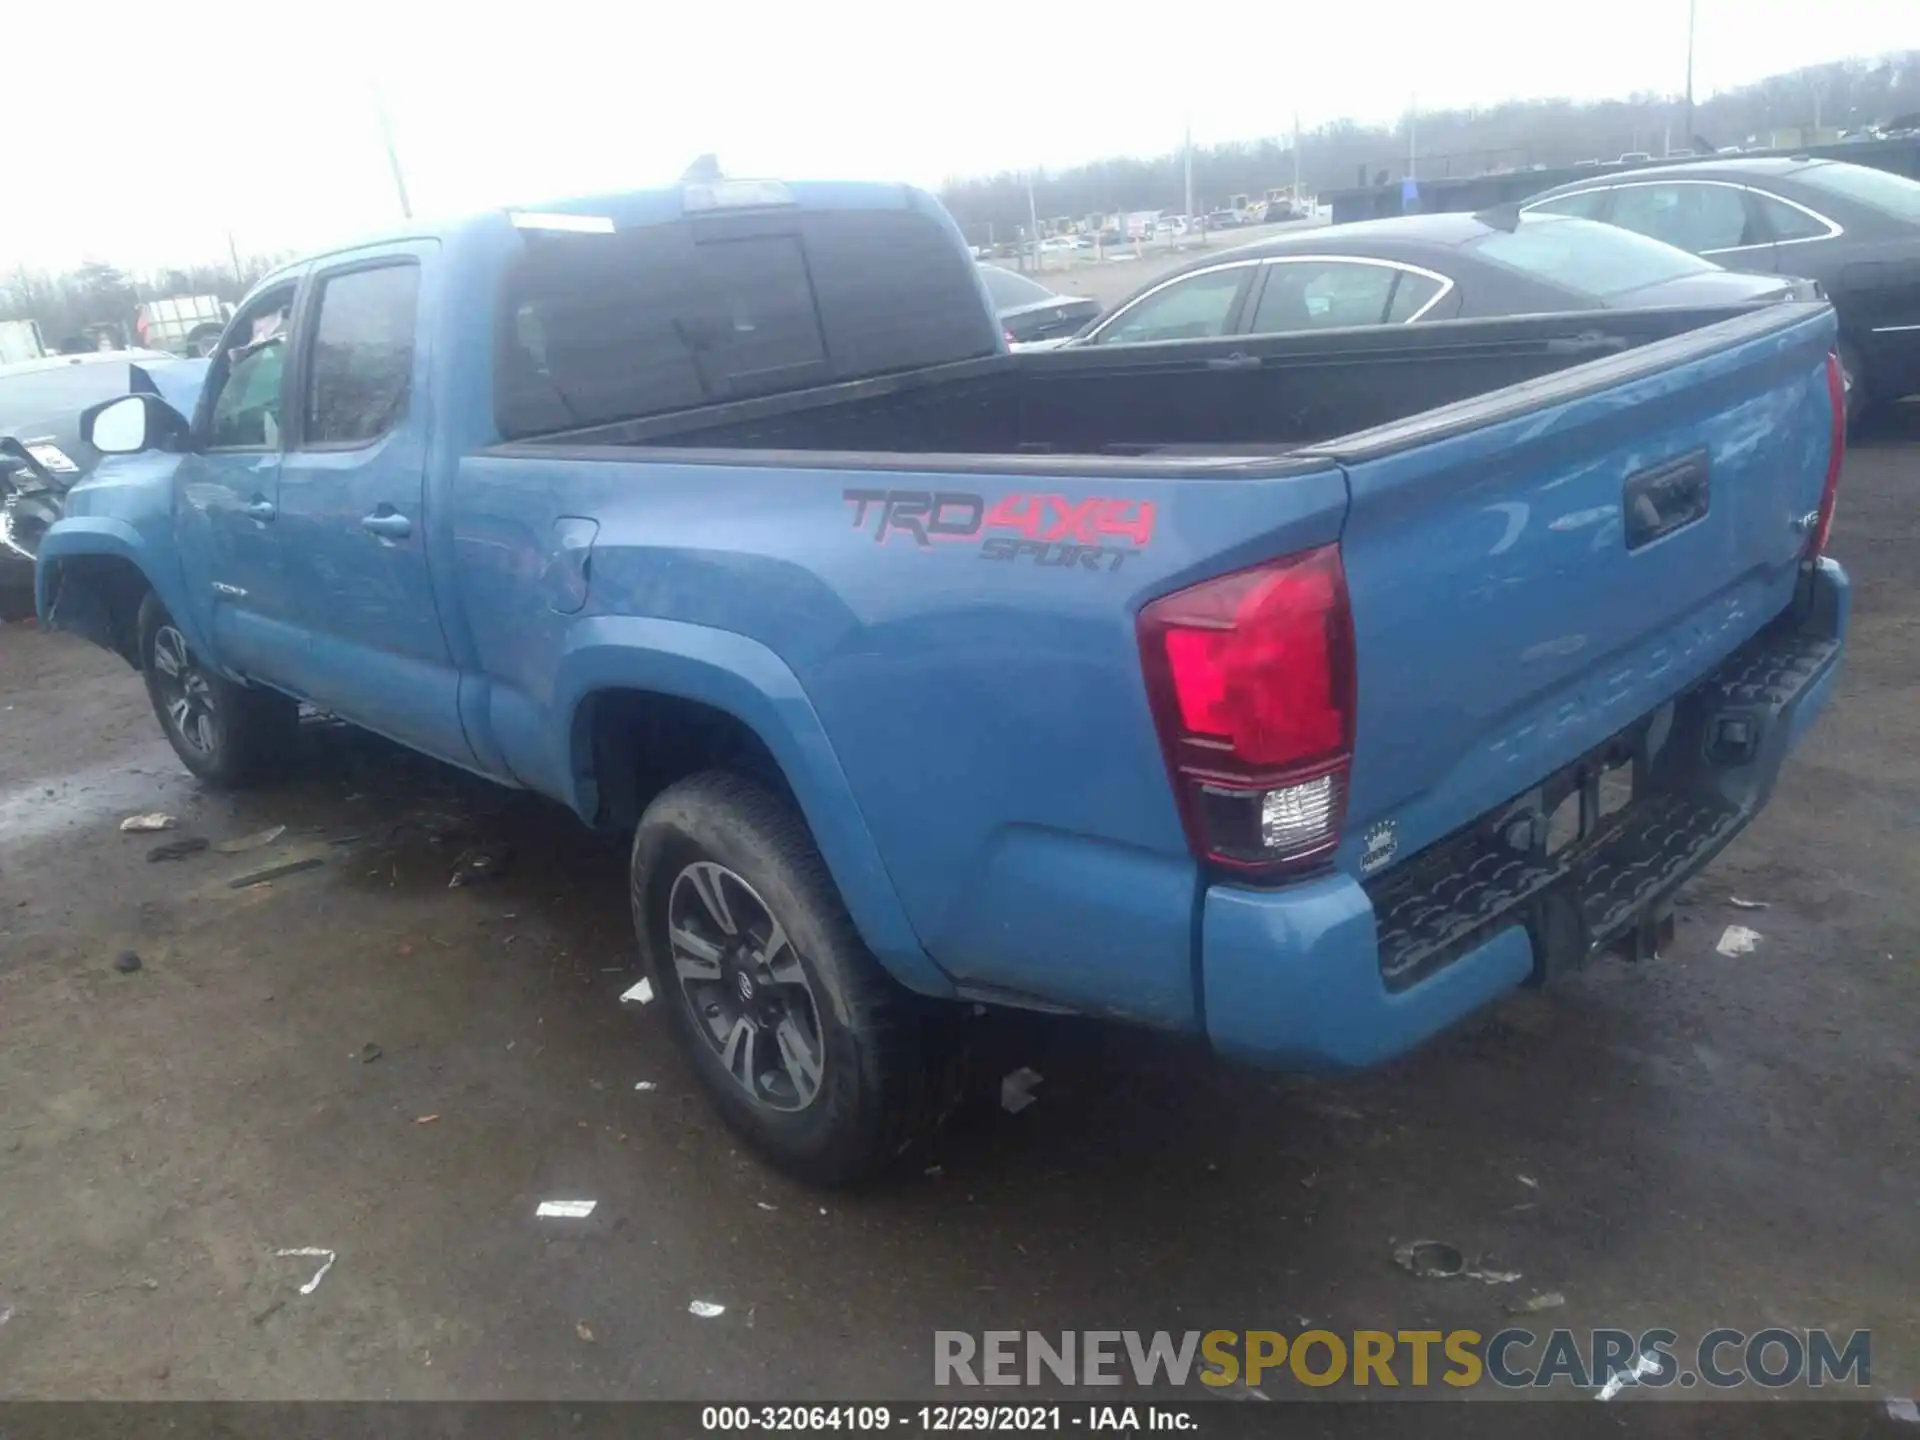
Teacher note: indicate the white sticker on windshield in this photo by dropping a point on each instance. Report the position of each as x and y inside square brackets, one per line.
[551, 220]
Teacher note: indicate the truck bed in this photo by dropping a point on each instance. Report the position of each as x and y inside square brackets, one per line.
[1208, 400]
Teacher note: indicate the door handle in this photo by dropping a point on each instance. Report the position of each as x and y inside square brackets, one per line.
[261, 510]
[387, 524]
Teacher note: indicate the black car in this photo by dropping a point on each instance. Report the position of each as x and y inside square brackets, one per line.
[41, 452]
[1029, 311]
[1421, 267]
[1854, 229]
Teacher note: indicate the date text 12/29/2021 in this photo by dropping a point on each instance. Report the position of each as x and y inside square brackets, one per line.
[941, 1419]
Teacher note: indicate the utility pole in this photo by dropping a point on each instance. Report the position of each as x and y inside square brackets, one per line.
[1688, 137]
[1033, 221]
[393, 155]
[1189, 209]
[1413, 120]
[1296, 157]
[233, 253]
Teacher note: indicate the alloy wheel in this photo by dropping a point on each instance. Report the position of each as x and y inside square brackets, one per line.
[184, 692]
[746, 986]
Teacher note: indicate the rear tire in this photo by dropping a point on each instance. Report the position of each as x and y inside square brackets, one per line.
[813, 1053]
[226, 734]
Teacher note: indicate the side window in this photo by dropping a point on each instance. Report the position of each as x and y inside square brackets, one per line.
[1582, 204]
[246, 403]
[1322, 295]
[1412, 295]
[1694, 217]
[361, 364]
[1788, 222]
[1193, 309]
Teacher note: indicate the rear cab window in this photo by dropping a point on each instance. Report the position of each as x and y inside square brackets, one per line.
[715, 306]
[1585, 256]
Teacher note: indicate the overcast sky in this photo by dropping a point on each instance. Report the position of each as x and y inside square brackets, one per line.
[143, 134]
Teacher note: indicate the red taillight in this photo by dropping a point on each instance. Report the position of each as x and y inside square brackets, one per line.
[1836, 453]
[1251, 678]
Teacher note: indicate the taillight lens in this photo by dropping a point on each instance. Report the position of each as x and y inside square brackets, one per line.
[1251, 679]
[1836, 454]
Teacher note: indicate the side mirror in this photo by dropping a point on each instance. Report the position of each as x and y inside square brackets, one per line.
[130, 424]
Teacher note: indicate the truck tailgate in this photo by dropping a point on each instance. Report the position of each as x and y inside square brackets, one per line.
[1533, 572]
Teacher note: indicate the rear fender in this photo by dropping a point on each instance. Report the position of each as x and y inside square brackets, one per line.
[748, 681]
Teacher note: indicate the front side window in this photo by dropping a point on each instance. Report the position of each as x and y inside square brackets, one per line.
[1694, 217]
[361, 367]
[1582, 205]
[1197, 308]
[246, 403]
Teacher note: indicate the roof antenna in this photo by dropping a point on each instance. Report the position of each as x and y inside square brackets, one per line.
[703, 171]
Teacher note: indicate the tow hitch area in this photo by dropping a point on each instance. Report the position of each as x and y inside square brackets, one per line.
[1647, 940]
[1589, 860]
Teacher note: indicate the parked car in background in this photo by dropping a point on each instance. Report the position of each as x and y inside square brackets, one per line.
[1421, 267]
[1854, 229]
[21, 340]
[41, 452]
[1029, 311]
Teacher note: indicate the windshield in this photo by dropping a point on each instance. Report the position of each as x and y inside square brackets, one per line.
[34, 397]
[1890, 194]
[1007, 289]
[1585, 256]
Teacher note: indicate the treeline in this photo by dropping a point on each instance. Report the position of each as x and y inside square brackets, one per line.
[70, 304]
[1511, 136]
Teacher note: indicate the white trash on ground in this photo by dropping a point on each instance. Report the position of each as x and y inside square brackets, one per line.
[314, 1252]
[1737, 940]
[145, 824]
[565, 1209]
[1016, 1090]
[705, 1309]
[641, 994]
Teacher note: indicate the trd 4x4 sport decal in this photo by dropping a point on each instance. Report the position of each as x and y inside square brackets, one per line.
[1050, 530]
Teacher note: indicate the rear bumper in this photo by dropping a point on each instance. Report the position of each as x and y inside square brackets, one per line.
[1332, 975]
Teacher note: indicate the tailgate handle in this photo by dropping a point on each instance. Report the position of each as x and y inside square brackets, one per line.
[1665, 498]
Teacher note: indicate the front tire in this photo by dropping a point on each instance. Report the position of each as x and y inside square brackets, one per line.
[814, 1055]
[226, 734]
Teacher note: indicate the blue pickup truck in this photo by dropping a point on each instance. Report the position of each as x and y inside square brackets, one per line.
[1304, 692]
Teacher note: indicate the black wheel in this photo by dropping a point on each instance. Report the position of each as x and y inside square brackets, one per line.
[812, 1052]
[1853, 381]
[226, 734]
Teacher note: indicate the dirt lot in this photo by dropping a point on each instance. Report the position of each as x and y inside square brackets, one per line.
[1703, 1140]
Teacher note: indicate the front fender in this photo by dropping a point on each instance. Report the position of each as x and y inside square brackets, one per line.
[747, 680]
[79, 536]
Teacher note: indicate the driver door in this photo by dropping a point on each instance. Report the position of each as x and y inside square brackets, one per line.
[227, 496]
